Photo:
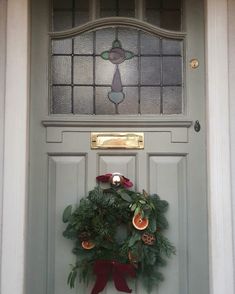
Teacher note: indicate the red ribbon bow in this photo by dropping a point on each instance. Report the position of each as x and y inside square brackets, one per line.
[107, 177]
[103, 269]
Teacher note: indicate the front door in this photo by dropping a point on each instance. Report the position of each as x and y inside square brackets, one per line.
[117, 67]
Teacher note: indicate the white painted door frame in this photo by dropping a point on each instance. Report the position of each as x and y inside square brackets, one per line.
[15, 99]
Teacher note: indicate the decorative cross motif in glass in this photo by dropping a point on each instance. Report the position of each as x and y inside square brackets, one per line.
[116, 55]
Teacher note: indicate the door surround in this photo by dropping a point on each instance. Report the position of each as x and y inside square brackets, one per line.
[15, 144]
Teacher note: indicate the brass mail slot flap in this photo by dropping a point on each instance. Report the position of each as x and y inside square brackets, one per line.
[116, 140]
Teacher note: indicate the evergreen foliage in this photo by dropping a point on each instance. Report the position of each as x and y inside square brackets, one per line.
[104, 218]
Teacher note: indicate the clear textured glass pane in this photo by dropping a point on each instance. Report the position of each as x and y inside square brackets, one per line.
[150, 70]
[130, 105]
[83, 44]
[171, 20]
[107, 5]
[153, 17]
[104, 39]
[171, 4]
[127, 8]
[62, 20]
[171, 47]
[83, 70]
[102, 104]
[61, 100]
[83, 100]
[172, 100]
[165, 14]
[104, 71]
[149, 44]
[128, 39]
[117, 8]
[81, 17]
[82, 5]
[107, 8]
[107, 13]
[61, 4]
[172, 70]
[126, 4]
[62, 46]
[153, 4]
[126, 13]
[81, 12]
[61, 69]
[150, 100]
[129, 71]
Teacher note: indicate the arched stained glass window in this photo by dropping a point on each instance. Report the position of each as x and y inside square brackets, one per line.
[118, 69]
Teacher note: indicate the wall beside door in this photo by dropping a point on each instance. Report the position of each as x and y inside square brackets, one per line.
[231, 24]
[14, 89]
[18, 38]
[3, 6]
[219, 159]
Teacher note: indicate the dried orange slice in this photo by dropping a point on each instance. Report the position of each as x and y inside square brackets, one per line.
[140, 223]
[88, 245]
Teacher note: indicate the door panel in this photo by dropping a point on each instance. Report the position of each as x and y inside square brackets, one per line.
[66, 185]
[63, 167]
[126, 165]
[167, 176]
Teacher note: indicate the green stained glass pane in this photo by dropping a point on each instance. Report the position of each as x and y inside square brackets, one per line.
[105, 55]
[129, 54]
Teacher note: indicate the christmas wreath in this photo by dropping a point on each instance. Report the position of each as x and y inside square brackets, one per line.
[118, 233]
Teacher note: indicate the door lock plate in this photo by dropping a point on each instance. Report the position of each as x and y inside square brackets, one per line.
[115, 140]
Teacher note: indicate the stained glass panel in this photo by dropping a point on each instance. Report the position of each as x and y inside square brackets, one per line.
[117, 71]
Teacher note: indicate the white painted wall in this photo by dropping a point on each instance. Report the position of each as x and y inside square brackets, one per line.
[15, 146]
[219, 160]
[15, 142]
[232, 101]
[3, 6]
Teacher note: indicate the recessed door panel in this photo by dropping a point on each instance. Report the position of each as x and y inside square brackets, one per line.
[124, 164]
[66, 186]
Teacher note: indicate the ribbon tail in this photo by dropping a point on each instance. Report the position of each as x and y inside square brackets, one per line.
[120, 282]
[101, 281]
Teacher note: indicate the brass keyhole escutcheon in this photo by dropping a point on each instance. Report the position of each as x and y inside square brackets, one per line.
[194, 63]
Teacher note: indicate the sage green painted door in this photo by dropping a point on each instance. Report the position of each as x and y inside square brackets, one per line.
[63, 167]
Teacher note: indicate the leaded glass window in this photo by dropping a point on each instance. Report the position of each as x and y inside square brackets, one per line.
[67, 14]
[118, 69]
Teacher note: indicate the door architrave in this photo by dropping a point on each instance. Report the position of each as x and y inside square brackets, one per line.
[14, 199]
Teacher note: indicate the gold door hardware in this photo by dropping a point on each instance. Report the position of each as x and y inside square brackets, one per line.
[115, 140]
[194, 63]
